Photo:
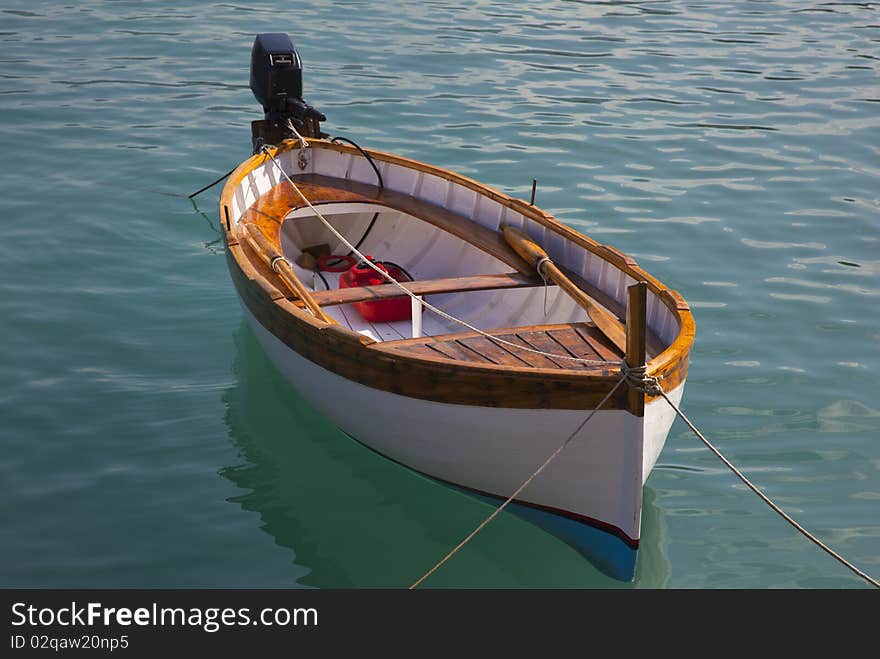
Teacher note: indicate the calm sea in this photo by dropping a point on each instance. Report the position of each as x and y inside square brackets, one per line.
[733, 148]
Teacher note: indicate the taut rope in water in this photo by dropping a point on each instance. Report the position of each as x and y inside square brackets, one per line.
[211, 185]
[636, 377]
[766, 499]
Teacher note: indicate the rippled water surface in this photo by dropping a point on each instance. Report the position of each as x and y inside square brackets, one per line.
[733, 148]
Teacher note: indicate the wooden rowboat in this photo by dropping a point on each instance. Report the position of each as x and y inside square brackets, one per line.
[481, 406]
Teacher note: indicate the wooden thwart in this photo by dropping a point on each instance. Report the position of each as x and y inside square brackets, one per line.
[424, 287]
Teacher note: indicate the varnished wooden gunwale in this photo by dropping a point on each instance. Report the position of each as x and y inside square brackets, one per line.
[437, 378]
[271, 209]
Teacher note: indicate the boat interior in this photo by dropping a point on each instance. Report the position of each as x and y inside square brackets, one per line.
[454, 264]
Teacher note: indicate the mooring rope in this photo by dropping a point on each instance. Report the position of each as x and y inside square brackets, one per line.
[637, 378]
[406, 291]
[765, 498]
[211, 185]
[523, 486]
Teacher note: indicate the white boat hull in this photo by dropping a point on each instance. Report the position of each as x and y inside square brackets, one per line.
[590, 496]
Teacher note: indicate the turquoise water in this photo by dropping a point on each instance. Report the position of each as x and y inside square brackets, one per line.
[732, 148]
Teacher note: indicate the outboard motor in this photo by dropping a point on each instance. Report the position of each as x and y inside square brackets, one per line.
[276, 81]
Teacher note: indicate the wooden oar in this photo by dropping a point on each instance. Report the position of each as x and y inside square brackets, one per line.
[275, 260]
[534, 254]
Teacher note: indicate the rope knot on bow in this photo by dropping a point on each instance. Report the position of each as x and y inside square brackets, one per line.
[637, 377]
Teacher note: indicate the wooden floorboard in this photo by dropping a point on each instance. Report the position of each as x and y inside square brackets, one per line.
[574, 343]
[492, 351]
[535, 360]
[481, 353]
[541, 341]
[450, 350]
[599, 342]
[578, 340]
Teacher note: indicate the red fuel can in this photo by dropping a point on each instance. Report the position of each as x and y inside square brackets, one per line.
[380, 311]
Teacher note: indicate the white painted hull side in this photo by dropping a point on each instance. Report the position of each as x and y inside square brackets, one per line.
[599, 477]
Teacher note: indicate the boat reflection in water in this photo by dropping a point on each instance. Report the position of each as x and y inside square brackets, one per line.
[353, 519]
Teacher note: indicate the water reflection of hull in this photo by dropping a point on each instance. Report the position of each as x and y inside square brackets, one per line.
[353, 519]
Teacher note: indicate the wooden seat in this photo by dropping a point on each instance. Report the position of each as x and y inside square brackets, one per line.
[424, 287]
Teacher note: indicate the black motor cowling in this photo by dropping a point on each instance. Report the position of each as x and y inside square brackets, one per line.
[276, 81]
[276, 71]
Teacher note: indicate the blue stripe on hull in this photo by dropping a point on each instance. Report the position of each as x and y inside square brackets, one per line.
[606, 551]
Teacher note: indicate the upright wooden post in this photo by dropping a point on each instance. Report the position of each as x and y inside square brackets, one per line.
[636, 334]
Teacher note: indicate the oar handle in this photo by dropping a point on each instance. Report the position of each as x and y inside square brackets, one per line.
[275, 260]
[530, 251]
